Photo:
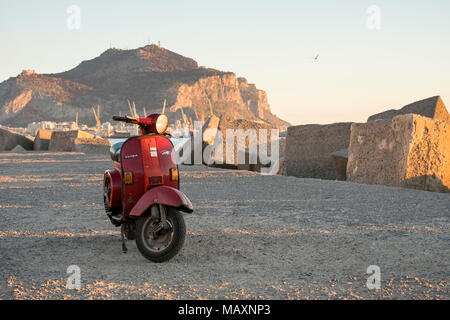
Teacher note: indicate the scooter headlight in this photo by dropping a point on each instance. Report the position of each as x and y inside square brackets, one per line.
[154, 123]
[162, 122]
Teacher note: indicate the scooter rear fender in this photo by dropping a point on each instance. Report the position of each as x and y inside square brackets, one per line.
[164, 195]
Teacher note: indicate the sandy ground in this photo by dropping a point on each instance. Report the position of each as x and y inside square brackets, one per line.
[250, 236]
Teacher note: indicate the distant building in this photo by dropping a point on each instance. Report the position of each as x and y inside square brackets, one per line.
[34, 127]
[107, 129]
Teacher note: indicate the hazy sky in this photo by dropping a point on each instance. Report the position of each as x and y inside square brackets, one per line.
[360, 70]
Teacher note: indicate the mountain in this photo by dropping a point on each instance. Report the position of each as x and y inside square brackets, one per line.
[146, 76]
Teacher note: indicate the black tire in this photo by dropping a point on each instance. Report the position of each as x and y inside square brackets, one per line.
[173, 244]
[107, 194]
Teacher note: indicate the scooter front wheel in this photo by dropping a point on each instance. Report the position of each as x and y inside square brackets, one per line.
[160, 242]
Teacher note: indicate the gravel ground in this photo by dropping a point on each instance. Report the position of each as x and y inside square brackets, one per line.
[251, 236]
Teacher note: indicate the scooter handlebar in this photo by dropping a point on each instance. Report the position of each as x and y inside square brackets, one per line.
[126, 119]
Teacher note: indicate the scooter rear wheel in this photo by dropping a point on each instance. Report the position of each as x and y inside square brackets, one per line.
[164, 244]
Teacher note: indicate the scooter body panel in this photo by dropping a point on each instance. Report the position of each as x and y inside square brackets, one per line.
[148, 159]
[164, 195]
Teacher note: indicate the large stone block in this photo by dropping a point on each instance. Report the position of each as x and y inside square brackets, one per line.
[210, 129]
[42, 139]
[93, 146]
[231, 132]
[340, 160]
[9, 140]
[308, 149]
[239, 138]
[77, 141]
[224, 147]
[408, 151]
[433, 108]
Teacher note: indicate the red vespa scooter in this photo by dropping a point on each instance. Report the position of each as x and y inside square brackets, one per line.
[141, 192]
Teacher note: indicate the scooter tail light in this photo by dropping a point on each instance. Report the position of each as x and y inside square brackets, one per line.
[174, 174]
[128, 178]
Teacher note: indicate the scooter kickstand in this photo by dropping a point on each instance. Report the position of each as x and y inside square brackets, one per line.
[122, 236]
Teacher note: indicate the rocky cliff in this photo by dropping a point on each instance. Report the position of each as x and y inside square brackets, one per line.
[147, 76]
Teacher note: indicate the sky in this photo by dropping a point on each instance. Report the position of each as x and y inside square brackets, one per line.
[373, 55]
